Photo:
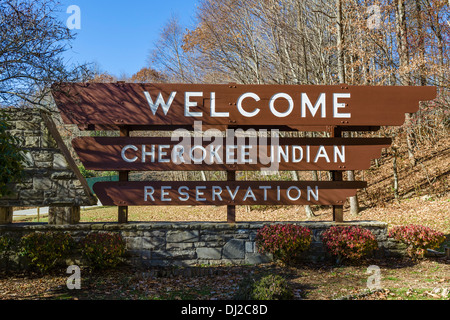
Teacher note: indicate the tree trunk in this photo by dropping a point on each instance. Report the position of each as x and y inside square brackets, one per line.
[354, 207]
[421, 37]
[394, 169]
[403, 53]
[340, 42]
[308, 210]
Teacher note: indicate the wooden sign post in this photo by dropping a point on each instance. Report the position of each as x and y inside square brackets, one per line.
[129, 106]
[123, 176]
[338, 210]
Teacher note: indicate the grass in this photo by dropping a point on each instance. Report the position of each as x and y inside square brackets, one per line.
[412, 294]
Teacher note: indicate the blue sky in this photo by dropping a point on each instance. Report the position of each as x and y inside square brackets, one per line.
[118, 35]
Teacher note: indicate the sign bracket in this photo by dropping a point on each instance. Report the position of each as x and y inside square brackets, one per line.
[123, 176]
[338, 210]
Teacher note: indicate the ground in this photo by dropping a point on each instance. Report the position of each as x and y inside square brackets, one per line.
[401, 279]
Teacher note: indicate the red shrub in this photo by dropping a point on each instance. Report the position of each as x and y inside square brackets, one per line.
[417, 238]
[350, 243]
[284, 241]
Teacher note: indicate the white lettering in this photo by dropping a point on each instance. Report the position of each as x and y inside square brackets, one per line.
[265, 188]
[340, 154]
[150, 153]
[294, 159]
[322, 153]
[233, 195]
[162, 153]
[188, 104]
[160, 102]
[203, 150]
[245, 151]
[230, 154]
[199, 193]
[249, 193]
[165, 193]
[239, 104]
[203, 193]
[288, 192]
[310, 193]
[125, 150]
[178, 153]
[214, 155]
[284, 154]
[339, 105]
[213, 108]
[183, 193]
[272, 105]
[148, 192]
[319, 103]
[216, 192]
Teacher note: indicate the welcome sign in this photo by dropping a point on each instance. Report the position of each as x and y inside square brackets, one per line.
[243, 154]
[232, 117]
[225, 192]
[240, 105]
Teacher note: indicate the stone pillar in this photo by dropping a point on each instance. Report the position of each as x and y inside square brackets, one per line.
[64, 215]
[6, 215]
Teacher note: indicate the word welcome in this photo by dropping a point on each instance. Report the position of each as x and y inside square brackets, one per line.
[307, 107]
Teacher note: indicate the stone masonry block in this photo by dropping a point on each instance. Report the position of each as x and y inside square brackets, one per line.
[6, 215]
[40, 183]
[234, 249]
[182, 236]
[209, 253]
[59, 162]
[153, 242]
[249, 246]
[63, 215]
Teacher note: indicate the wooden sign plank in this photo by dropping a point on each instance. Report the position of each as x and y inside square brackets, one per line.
[165, 193]
[243, 154]
[100, 127]
[134, 104]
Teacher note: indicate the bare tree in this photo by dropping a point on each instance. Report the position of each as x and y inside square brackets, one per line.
[168, 57]
[319, 42]
[32, 41]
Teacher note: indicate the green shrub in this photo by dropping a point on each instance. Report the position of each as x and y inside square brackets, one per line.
[6, 244]
[418, 238]
[45, 249]
[284, 241]
[349, 242]
[11, 157]
[269, 287]
[272, 287]
[103, 250]
[86, 173]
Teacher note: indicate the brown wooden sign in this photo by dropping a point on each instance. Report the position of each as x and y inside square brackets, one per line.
[131, 106]
[118, 104]
[243, 154]
[141, 193]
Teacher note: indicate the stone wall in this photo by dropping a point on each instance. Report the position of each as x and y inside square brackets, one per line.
[51, 176]
[161, 244]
